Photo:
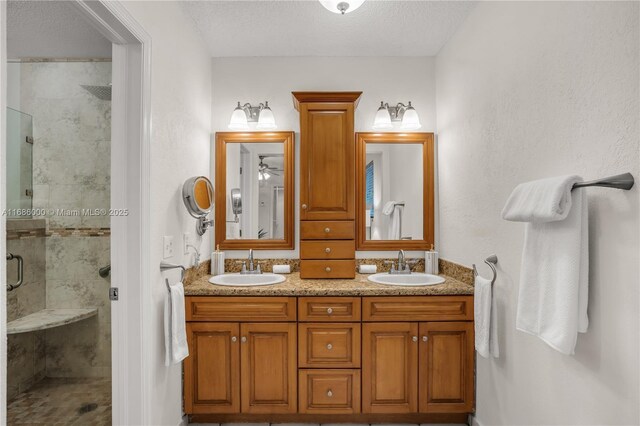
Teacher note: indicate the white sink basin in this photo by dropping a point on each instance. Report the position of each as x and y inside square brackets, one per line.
[414, 279]
[239, 280]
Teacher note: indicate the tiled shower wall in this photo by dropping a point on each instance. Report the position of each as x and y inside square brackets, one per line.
[71, 172]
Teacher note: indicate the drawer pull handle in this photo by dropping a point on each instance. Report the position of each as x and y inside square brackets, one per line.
[329, 311]
[329, 393]
[304, 207]
[414, 338]
[425, 338]
[327, 230]
[244, 339]
[327, 269]
[234, 339]
[329, 346]
[327, 250]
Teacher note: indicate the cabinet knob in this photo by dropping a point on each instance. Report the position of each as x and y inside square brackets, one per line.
[414, 338]
[329, 311]
[327, 230]
[243, 339]
[425, 338]
[234, 339]
[329, 346]
[329, 393]
[327, 269]
[327, 250]
[304, 207]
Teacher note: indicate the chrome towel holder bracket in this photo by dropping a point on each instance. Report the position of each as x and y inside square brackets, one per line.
[491, 261]
[164, 266]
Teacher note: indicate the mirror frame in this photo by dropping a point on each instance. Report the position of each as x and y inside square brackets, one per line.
[424, 139]
[288, 141]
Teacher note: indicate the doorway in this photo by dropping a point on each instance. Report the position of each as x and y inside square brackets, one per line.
[128, 254]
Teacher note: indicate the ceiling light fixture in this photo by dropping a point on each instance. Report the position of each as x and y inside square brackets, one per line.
[406, 114]
[244, 114]
[341, 6]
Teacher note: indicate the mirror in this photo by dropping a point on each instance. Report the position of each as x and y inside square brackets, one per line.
[395, 175]
[197, 194]
[254, 177]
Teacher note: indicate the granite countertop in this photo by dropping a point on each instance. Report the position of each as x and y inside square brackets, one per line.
[296, 286]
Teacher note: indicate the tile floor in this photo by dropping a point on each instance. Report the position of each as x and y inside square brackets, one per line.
[82, 401]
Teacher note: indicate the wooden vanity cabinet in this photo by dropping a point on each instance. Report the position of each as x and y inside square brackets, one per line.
[330, 359]
[327, 182]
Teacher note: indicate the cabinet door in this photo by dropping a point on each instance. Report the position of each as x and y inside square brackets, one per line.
[269, 367]
[327, 161]
[446, 367]
[390, 368]
[212, 369]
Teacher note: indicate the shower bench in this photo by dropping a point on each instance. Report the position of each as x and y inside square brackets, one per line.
[49, 318]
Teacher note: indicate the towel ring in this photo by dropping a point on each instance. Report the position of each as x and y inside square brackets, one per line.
[491, 261]
[164, 266]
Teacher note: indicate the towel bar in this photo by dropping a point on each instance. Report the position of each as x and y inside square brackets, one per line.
[624, 181]
[491, 261]
[164, 266]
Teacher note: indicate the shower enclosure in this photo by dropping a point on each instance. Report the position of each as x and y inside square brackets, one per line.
[59, 316]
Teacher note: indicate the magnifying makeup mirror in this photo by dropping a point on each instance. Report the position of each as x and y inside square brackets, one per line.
[197, 194]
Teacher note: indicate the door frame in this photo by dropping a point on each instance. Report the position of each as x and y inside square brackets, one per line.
[130, 188]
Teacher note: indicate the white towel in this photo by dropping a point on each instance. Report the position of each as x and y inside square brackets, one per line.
[486, 323]
[175, 327]
[393, 209]
[552, 302]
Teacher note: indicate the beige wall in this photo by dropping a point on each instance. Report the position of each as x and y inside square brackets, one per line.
[524, 91]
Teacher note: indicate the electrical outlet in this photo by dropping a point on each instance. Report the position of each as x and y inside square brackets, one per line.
[167, 246]
[186, 241]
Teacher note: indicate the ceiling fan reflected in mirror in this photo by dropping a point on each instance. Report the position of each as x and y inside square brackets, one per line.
[264, 170]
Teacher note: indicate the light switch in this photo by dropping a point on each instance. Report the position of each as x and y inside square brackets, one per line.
[167, 246]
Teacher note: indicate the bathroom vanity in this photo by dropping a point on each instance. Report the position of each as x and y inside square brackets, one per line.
[338, 351]
[327, 345]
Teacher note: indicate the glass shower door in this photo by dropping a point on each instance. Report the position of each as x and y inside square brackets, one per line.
[19, 164]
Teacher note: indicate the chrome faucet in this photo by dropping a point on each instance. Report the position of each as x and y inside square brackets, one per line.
[253, 269]
[403, 265]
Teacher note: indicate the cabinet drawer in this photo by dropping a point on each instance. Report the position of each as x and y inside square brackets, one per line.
[329, 391]
[256, 309]
[420, 308]
[327, 268]
[345, 249]
[326, 345]
[327, 230]
[329, 308]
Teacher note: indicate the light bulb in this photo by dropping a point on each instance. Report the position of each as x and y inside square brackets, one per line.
[410, 120]
[383, 119]
[238, 119]
[266, 121]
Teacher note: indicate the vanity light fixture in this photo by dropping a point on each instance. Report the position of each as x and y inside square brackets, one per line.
[341, 6]
[247, 113]
[406, 114]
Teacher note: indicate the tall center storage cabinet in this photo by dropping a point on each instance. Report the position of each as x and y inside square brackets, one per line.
[327, 183]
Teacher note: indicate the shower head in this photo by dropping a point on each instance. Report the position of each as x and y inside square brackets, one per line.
[100, 92]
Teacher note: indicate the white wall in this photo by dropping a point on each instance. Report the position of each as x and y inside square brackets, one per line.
[256, 79]
[180, 144]
[529, 90]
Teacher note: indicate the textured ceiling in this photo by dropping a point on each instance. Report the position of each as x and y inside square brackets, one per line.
[305, 28]
[51, 29]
